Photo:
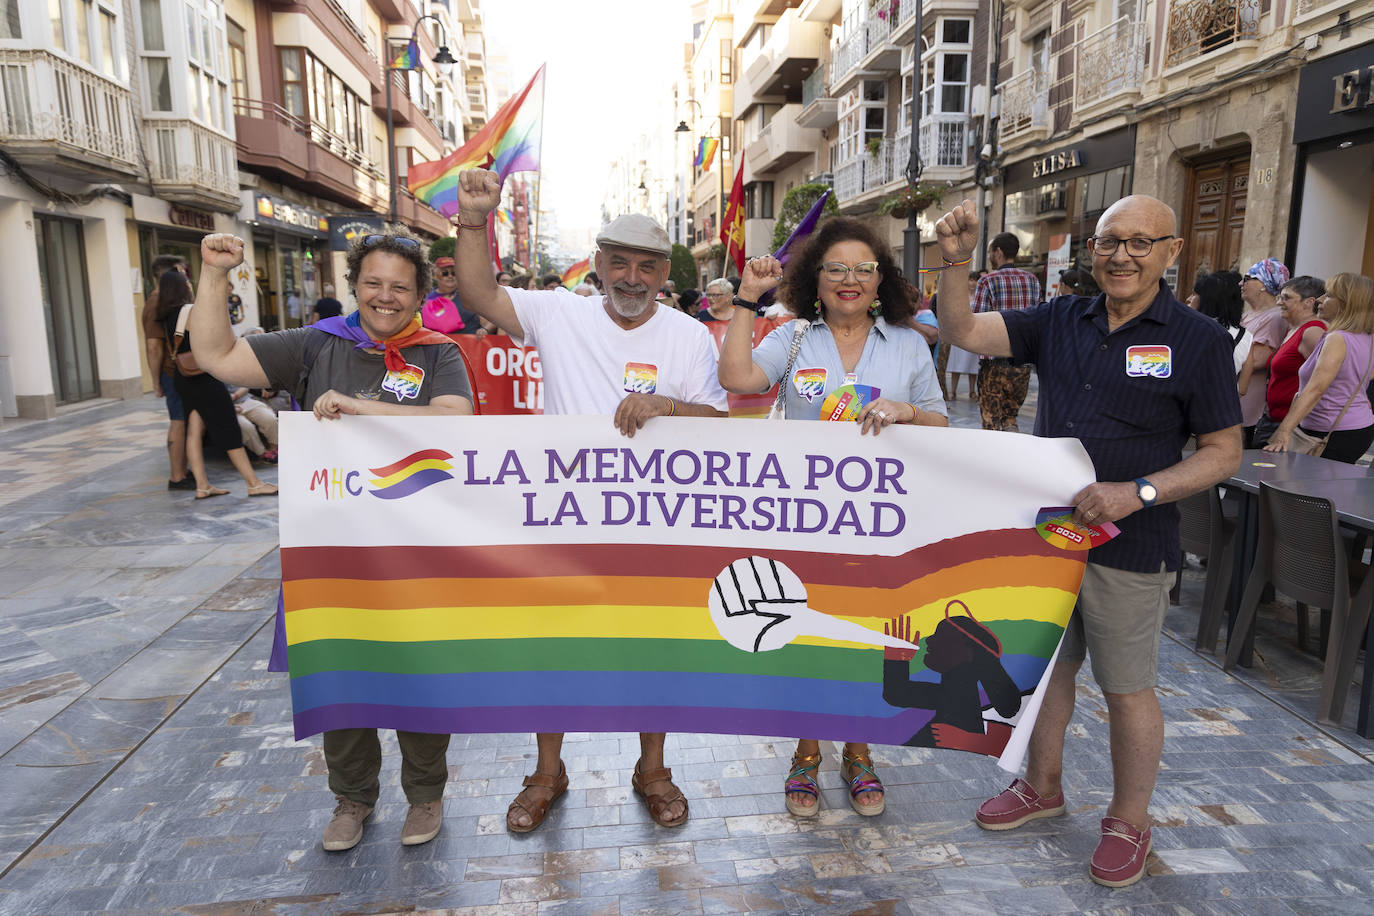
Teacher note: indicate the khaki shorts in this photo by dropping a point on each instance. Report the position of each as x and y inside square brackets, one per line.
[1116, 623]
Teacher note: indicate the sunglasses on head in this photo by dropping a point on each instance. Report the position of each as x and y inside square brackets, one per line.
[370, 241]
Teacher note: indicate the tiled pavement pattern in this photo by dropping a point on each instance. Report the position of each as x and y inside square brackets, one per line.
[147, 763]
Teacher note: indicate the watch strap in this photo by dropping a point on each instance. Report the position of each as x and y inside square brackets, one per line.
[744, 304]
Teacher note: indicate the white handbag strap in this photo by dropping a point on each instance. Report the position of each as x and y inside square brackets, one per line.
[779, 411]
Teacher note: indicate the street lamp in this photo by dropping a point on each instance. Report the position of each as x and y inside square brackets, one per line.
[682, 128]
[911, 235]
[445, 60]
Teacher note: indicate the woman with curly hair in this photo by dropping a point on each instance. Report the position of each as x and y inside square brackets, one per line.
[846, 285]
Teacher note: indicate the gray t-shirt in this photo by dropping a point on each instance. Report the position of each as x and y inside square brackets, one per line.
[432, 370]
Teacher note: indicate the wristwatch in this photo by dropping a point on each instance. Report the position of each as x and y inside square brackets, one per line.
[1146, 491]
[744, 304]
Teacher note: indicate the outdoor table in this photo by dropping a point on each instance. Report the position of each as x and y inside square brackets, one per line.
[1353, 499]
[1256, 467]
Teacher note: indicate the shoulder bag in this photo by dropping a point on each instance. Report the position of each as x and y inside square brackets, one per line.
[779, 409]
[185, 362]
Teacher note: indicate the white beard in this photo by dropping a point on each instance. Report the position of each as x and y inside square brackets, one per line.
[629, 306]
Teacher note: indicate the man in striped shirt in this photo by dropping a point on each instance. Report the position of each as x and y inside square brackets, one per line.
[1002, 385]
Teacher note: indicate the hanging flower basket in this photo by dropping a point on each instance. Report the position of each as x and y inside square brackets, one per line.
[913, 198]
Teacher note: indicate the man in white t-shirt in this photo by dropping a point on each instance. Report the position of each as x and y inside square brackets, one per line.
[621, 354]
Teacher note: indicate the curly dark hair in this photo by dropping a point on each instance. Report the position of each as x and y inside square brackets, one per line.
[417, 254]
[173, 291]
[801, 278]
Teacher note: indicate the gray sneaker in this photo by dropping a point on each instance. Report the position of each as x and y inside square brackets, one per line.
[423, 823]
[346, 828]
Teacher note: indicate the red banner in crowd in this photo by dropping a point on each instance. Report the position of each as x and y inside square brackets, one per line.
[509, 379]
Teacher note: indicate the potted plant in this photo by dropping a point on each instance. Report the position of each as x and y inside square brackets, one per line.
[912, 199]
[874, 146]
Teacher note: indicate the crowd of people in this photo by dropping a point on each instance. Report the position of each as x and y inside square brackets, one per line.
[1306, 346]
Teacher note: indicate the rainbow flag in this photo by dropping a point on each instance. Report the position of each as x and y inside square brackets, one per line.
[706, 151]
[508, 143]
[551, 575]
[577, 273]
[408, 59]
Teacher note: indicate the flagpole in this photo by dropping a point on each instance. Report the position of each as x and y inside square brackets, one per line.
[540, 186]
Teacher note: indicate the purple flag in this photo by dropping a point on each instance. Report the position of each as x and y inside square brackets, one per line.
[804, 228]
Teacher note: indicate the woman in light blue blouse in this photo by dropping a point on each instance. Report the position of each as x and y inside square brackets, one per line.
[846, 284]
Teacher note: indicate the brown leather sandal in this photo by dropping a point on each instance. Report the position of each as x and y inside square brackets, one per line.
[540, 810]
[658, 803]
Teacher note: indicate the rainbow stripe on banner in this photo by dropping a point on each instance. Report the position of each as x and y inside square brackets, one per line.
[569, 579]
[577, 273]
[508, 143]
[706, 151]
[408, 59]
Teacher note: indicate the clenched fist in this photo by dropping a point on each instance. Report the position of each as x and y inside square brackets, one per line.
[221, 250]
[479, 193]
[957, 232]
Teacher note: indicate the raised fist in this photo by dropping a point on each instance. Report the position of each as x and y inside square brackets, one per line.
[957, 232]
[760, 275]
[221, 250]
[479, 193]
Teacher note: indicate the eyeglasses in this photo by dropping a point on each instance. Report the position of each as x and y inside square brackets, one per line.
[446, 272]
[836, 272]
[1136, 248]
[370, 241]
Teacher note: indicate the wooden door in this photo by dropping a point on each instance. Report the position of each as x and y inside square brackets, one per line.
[1214, 219]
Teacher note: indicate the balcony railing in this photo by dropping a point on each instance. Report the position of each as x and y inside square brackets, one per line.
[871, 171]
[1025, 106]
[850, 51]
[191, 157]
[46, 99]
[1197, 27]
[1110, 61]
[944, 141]
[813, 87]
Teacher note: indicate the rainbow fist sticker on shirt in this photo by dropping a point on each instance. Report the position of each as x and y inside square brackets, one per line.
[1149, 362]
[641, 378]
[845, 402]
[810, 383]
[404, 384]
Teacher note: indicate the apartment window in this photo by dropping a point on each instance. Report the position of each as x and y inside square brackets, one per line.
[863, 117]
[59, 38]
[945, 69]
[9, 19]
[159, 84]
[238, 59]
[726, 54]
[292, 81]
[758, 200]
[1040, 51]
[150, 12]
[108, 61]
[956, 32]
[192, 42]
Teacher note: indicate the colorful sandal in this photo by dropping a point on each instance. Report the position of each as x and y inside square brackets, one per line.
[865, 781]
[802, 779]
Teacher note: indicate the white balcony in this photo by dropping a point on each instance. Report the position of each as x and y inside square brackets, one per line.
[818, 107]
[792, 53]
[944, 141]
[192, 164]
[782, 142]
[1111, 65]
[871, 171]
[54, 113]
[1025, 107]
[868, 52]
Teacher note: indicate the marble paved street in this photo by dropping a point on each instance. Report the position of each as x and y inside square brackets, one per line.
[148, 765]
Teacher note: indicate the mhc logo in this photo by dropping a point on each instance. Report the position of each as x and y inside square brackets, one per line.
[410, 475]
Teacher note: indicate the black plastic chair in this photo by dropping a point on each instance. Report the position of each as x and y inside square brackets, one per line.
[1204, 529]
[1302, 554]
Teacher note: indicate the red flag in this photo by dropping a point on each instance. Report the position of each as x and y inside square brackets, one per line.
[732, 227]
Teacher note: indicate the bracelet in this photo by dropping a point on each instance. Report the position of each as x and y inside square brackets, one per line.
[482, 226]
[672, 405]
[914, 411]
[948, 264]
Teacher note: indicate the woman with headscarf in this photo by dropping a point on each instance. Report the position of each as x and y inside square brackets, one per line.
[1259, 288]
[1332, 400]
[1298, 303]
[845, 283]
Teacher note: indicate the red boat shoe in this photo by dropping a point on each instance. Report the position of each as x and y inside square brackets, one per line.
[1121, 854]
[1016, 805]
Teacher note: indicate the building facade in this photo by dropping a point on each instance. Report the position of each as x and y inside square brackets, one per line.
[131, 128]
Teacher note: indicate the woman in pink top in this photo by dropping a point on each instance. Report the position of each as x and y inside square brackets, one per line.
[1259, 289]
[1336, 374]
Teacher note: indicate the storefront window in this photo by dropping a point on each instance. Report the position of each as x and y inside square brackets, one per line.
[1058, 216]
